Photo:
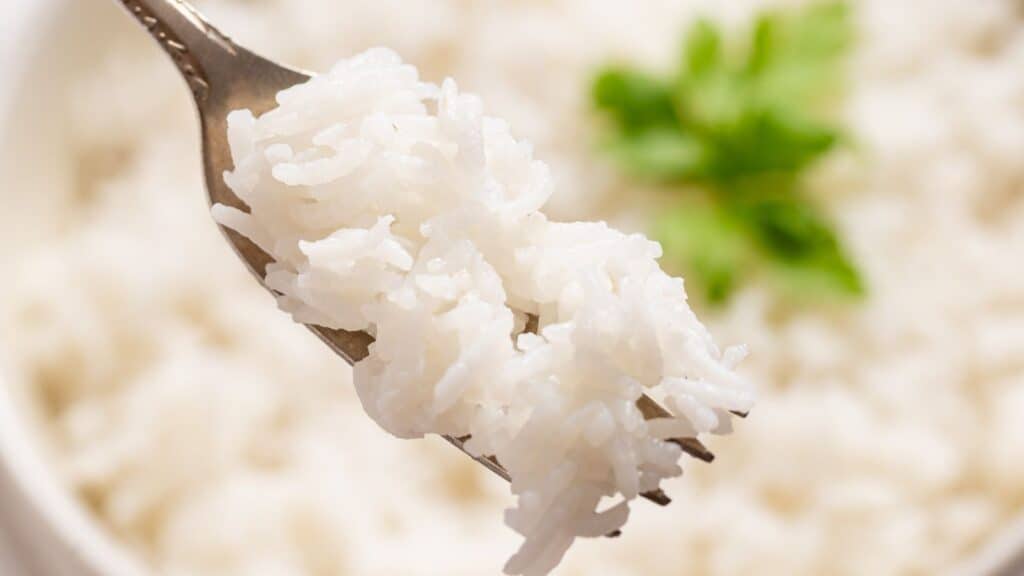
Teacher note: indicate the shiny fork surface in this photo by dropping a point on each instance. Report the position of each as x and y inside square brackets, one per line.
[224, 76]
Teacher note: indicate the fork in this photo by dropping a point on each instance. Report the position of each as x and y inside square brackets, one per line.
[224, 76]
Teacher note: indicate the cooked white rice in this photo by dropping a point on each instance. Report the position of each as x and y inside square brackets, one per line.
[212, 436]
[396, 207]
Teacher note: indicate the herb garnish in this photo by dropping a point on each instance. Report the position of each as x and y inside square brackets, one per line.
[742, 122]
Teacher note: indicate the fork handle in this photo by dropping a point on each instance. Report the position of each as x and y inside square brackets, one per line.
[193, 44]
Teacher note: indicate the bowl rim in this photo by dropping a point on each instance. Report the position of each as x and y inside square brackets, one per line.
[46, 524]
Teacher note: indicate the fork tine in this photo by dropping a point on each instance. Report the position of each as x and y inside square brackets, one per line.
[532, 323]
[692, 446]
[489, 462]
[647, 406]
[658, 497]
[492, 464]
[651, 409]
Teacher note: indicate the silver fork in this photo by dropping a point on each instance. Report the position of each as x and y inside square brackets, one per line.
[224, 76]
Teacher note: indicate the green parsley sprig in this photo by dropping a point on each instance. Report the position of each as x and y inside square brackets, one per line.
[742, 122]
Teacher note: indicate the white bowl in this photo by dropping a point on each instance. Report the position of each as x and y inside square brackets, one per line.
[45, 528]
[51, 532]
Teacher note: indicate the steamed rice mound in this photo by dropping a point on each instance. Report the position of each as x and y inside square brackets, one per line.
[395, 206]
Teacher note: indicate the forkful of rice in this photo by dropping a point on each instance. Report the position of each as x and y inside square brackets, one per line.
[403, 226]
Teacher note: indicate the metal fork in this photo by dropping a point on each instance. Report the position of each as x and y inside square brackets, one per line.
[224, 76]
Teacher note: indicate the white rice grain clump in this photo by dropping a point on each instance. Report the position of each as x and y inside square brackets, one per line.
[396, 207]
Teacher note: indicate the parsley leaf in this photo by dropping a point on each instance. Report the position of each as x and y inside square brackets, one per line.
[663, 154]
[636, 101]
[743, 121]
[804, 246]
[711, 241]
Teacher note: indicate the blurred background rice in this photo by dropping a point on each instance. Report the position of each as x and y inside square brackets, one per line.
[206, 434]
